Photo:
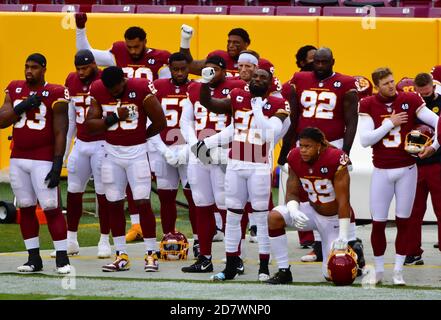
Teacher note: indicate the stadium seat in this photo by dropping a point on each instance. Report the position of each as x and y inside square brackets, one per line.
[395, 12]
[298, 11]
[113, 8]
[251, 10]
[434, 13]
[158, 9]
[362, 3]
[17, 7]
[345, 11]
[418, 3]
[318, 3]
[205, 10]
[57, 8]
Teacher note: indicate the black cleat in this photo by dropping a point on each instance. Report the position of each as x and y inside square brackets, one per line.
[230, 271]
[240, 267]
[283, 276]
[32, 265]
[357, 246]
[436, 245]
[414, 260]
[202, 265]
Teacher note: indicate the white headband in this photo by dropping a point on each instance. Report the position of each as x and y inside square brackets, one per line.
[248, 57]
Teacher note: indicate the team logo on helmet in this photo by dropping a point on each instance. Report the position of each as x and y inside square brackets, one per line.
[173, 246]
[342, 266]
[418, 138]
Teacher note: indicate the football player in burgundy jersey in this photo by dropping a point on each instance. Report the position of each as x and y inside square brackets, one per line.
[86, 156]
[137, 61]
[321, 171]
[429, 178]
[238, 41]
[257, 122]
[206, 178]
[324, 99]
[119, 109]
[37, 110]
[169, 162]
[385, 120]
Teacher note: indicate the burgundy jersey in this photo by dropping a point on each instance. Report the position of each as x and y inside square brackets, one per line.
[171, 97]
[317, 178]
[436, 73]
[389, 152]
[129, 132]
[439, 131]
[147, 66]
[364, 87]
[248, 144]
[33, 134]
[321, 102]
[208, 123]
[232, 63]
[79, 96]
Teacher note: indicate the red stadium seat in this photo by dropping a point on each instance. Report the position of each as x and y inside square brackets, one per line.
[158, 9]
[418, 3]
[205, 10]
[434, 13]
[17, 7]
[57, 8]
[113, 8]
[318, 3]
[395, 12]
[345, 11]
[252, 10]
[298, 11]
[361, 3]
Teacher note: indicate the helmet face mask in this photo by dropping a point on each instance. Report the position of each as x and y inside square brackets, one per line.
[342, 266]
[173, 246]
[418, 138]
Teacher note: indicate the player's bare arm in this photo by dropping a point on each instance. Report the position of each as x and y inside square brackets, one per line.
[94, 119]
[341, 188]
[154, 112]
[222, 106]
[7, 115]
[61, 124]
[350, 105]
[196, 66]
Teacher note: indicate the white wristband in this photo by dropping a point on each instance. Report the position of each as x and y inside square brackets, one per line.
[343, 232]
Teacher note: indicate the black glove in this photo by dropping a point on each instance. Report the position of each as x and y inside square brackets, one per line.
[80, 20]
[201, 152]
[53, 177]
[32, 101]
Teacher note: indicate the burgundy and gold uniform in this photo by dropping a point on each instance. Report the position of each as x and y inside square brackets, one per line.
[33, 134]
[148, 66]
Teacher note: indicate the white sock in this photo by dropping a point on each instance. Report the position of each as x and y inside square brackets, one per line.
[134, 219]
[104, 237]
[242, 249]
[60, 245]
[279, 248]
[233, 232]
[32, 243]
[379, 263]
[261, 220]
[218, 218]
[317, 236]
[399, 262]
[351, 235]
[120, 244]
[195, 237]
[150, 244]
[72, 236]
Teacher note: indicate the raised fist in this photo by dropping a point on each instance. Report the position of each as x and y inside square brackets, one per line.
[80, 20]
[208, 74]
[186, 32]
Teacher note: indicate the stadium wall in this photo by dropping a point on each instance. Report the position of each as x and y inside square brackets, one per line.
[408, 46]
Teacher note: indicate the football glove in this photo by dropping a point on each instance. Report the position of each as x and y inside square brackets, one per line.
[80, 20]
[53, 177]
[208, 74]
[201, 152]
[33, 101]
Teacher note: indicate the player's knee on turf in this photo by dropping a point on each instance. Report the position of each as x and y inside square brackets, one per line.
[275, 220]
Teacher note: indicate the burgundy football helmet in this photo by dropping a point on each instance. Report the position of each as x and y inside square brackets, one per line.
[364, 86]
[406, 85]
[173, 246]
[419, 137]
[342, 266]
